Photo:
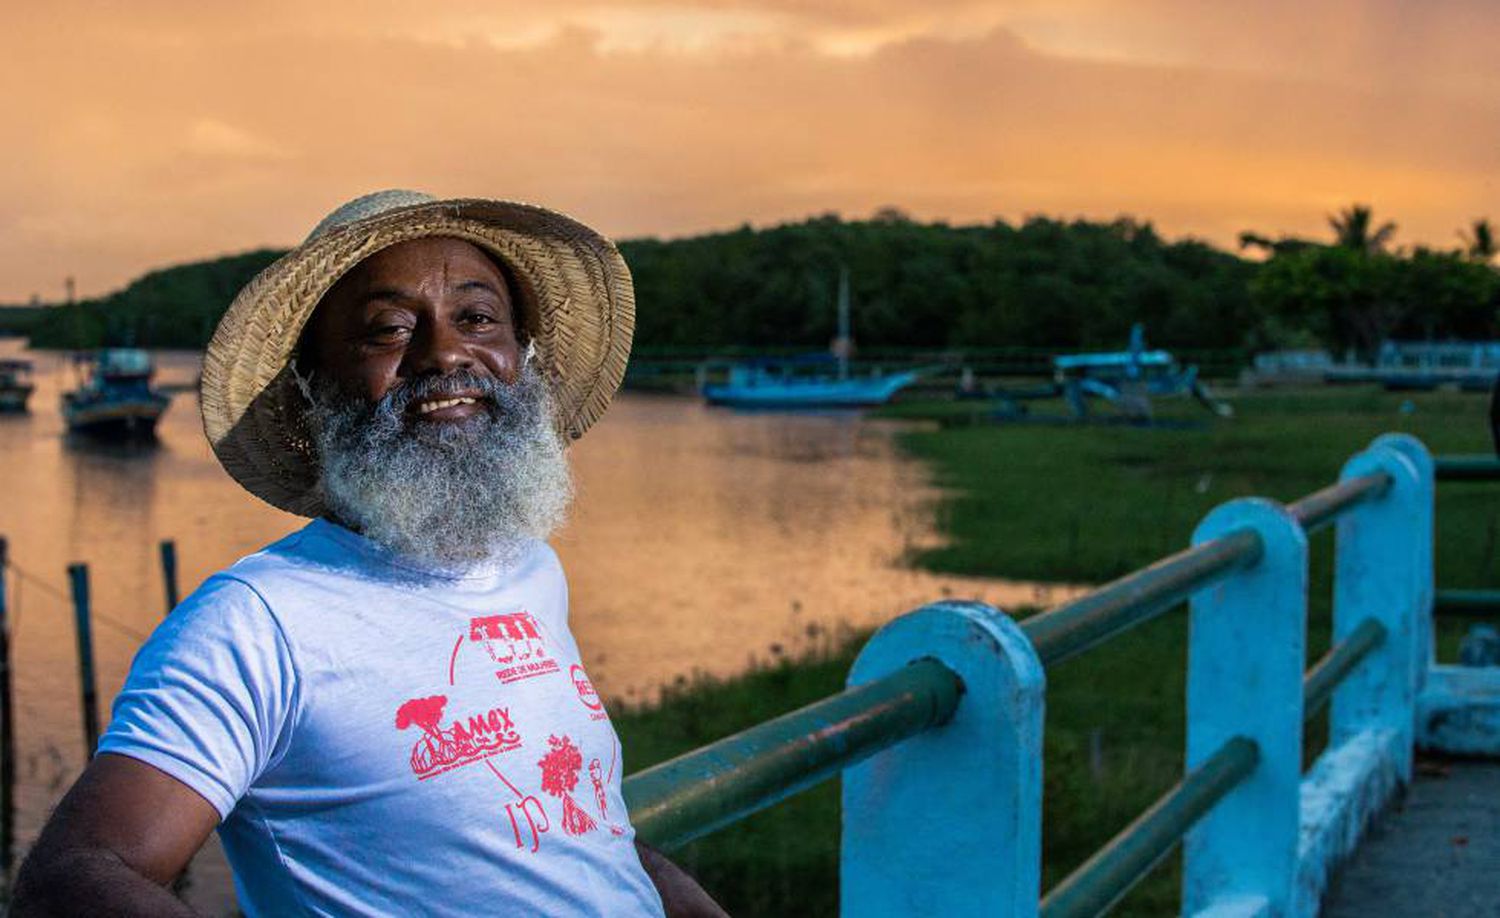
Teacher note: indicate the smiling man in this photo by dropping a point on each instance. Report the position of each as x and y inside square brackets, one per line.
[385, 712]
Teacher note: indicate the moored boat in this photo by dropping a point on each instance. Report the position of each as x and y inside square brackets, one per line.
[777, 384]
[803, 382]
[15, 384]
[116, 400]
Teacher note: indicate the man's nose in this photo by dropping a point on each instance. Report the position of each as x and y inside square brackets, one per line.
[437, 349]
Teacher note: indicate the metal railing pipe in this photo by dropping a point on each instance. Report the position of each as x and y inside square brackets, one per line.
[1466, 468]
[692, 795]
[1107, 876]
[1475, 603]
[1320, 508]
[1076, 626]
[1337, 664]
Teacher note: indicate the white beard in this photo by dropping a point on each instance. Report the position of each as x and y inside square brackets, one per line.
[445, 495]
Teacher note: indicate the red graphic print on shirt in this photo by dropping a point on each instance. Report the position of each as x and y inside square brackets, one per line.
[596, 775]
[530, 810]
[514, 642]
[586, 693]
[560, 769]
[438, 750]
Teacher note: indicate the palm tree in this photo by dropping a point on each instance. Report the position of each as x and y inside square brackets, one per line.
[1352, 229]
[1286, 245]
[1479, 240]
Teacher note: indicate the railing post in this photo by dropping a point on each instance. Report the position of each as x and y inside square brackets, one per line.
[1245, 658]
[1423, 528]
[949, 821]
[1382, 560]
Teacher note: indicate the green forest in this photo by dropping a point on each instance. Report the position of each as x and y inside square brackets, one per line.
[1039, 283]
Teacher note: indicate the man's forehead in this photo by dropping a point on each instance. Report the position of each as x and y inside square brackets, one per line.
[417, 260]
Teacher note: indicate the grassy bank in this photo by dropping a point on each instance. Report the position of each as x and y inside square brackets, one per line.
[783, 861]
[1078, 503]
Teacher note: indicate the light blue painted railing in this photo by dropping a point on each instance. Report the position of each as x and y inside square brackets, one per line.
[939, 735]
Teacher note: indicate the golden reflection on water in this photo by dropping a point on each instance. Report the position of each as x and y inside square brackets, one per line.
[704, 538]
[701, 540]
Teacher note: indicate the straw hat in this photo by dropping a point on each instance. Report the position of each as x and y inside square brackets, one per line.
[575, 302]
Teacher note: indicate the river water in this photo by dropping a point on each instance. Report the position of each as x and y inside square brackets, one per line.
[702, 540]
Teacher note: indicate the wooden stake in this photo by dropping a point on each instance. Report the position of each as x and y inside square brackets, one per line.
[78, 577]
[169, 572]
[7, 732]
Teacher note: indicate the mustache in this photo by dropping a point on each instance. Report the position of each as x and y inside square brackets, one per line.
[401, 396]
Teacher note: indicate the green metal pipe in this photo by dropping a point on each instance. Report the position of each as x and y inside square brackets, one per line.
[1107, 876]
[1076, 626]
[1467, 468]
[1472, 603]
[1320, 508]
[1337, 664]
[692, 795]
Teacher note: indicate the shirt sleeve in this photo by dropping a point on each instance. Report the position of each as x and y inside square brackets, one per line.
[211, 694]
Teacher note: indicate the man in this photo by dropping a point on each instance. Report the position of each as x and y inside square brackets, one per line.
[384, 713]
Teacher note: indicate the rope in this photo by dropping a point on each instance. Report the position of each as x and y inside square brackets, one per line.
[62, 596]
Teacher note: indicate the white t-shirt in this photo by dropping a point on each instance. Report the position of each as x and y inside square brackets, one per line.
[382, 740]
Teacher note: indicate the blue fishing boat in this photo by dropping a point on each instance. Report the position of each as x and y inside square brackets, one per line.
[116, 399]
[15, 384]
[806, 381]
[785, 383]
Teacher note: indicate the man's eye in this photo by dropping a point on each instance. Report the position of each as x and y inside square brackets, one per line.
[479, 318]
[388, 332]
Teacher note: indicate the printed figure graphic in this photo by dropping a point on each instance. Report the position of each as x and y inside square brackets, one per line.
[513, 641]
[596, 775]
[438, 750]
[560, 768]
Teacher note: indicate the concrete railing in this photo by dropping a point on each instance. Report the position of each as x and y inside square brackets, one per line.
[939, 734]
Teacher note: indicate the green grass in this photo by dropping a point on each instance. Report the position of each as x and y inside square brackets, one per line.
[1079, 503]
[782, 861]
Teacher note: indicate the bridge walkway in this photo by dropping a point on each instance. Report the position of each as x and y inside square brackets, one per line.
[1435, 854]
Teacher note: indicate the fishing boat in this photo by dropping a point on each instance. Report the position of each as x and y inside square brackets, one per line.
[116, 398]
[805, 381]
[15, 384]
[786, 383]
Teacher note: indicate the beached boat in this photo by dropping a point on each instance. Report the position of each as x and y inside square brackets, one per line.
[15, 384]
[116, 398]
[805, 381]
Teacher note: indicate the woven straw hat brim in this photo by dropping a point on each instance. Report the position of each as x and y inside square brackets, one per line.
[575, 300]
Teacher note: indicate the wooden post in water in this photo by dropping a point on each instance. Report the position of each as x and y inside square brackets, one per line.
[169, 572]
[7, 733]
[78, 577]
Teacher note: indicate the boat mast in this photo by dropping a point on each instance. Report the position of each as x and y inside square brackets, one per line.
[842, 344]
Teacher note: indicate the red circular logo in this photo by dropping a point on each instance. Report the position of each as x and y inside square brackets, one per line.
[586, 693]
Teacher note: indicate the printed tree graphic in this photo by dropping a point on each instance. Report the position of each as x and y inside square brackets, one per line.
[426, 713]
[560, 768]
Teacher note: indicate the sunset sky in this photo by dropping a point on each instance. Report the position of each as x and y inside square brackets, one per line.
[138, 134]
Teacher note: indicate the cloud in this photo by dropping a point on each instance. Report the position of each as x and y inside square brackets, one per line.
[213, 138]
[174, 131]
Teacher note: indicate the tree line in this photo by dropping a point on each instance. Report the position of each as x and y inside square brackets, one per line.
[1040, 283]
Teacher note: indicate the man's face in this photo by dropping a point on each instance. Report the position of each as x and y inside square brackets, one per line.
[428, 307]
[433, 439]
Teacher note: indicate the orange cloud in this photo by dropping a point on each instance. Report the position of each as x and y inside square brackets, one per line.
[160, 132]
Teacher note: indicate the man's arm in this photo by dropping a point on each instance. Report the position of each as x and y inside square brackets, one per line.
[680, 893]
[122, 833]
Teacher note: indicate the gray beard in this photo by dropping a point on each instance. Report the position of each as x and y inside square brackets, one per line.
[444, 495]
